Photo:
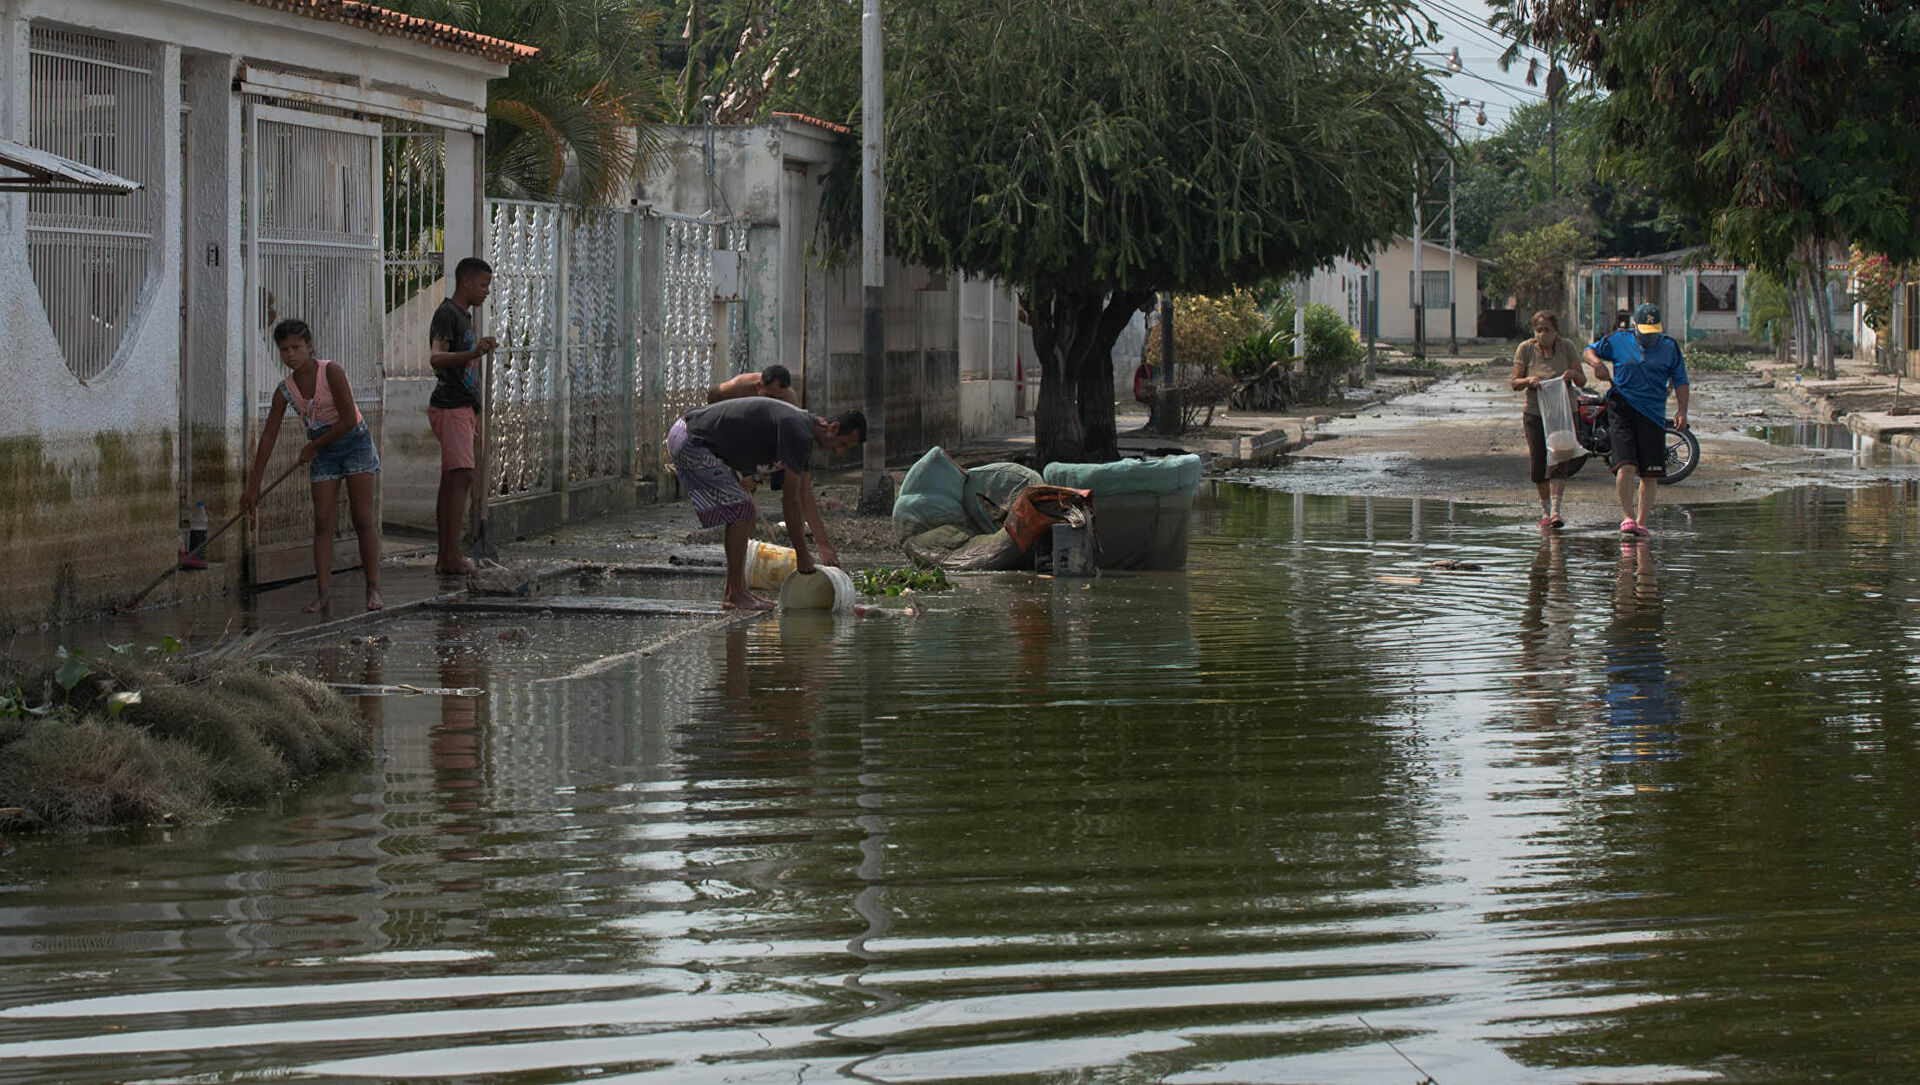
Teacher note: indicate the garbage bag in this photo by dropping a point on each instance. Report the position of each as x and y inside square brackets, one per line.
[930, 495]
[932, 546]
[1038, 508]
[990, 492]
[988, 551]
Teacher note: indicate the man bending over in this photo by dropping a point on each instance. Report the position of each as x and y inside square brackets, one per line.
[720, 452]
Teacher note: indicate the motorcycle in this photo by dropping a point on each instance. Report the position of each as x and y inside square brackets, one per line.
[1590, 427]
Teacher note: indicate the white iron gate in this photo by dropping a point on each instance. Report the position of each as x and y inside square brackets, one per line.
[607, 334]
[313, 252]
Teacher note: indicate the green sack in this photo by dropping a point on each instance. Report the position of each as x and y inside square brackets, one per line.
[1162, 475]
[998, 484]
[930, 495]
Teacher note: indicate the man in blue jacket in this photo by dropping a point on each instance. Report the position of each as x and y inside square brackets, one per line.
[1646, 363]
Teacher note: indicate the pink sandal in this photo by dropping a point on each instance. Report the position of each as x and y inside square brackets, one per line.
[1630, 527]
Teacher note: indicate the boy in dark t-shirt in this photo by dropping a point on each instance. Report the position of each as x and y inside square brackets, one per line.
[453, 410]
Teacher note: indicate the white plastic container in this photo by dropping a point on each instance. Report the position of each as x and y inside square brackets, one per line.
[1556, 418]
[768, 564]
[826, 588]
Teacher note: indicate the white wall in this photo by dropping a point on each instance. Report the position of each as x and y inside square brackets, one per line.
[90, 476]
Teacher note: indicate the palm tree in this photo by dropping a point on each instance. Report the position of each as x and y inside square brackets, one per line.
[576, 122]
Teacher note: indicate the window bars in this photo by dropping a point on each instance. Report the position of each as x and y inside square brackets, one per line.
[96, 100]
[415, 211]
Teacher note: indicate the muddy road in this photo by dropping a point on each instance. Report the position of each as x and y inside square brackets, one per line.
[1462, 440]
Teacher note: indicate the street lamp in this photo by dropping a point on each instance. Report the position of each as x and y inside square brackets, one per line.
[1453, 245]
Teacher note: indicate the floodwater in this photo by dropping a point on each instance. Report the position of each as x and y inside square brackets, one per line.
[1585, 813]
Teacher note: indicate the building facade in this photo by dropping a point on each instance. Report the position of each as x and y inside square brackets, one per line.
[134, 330]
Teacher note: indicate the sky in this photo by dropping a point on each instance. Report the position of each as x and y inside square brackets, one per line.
[1463, 24]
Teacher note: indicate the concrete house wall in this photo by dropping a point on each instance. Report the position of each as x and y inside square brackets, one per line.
[953, 342]
[93, 482]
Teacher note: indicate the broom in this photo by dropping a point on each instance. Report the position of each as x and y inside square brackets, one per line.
[201, 549]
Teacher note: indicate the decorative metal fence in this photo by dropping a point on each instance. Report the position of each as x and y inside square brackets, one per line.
[599, 370]
[606, 323]
[684, 263]
[523, 245]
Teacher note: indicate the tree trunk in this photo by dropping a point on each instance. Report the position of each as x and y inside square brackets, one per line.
[1074, 335]
[1822, 308]
[1797, 302]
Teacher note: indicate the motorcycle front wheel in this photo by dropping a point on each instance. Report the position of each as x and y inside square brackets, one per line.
[1683, 455]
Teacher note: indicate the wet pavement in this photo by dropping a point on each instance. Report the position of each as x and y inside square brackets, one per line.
[1534, 809]
[1462, 439]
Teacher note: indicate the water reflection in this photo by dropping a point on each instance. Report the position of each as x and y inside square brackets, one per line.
[1643, 715]
[1368, 757]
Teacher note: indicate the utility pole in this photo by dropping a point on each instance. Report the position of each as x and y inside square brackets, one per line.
[1556, 82]
[1167, 407]
[1453, 243]
[1300, 316]
[1367, 321]
[1419, 273]
[876, 486]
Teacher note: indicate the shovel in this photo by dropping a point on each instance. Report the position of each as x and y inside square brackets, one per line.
[202, 548]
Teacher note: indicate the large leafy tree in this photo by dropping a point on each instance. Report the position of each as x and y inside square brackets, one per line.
[574, 122]
[1092, 152]
[1505, 185]
[1783, 124]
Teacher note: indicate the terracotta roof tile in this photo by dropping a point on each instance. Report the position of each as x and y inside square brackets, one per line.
[816, 122]
[399, 24]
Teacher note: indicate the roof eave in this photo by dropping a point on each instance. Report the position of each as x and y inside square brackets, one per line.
[46, 172]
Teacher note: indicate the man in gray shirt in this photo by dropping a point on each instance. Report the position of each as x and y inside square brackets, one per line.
[716, 446]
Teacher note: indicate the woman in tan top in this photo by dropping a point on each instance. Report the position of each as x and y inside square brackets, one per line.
[1543, 358]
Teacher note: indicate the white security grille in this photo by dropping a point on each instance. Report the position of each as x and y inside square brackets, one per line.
[415, 187]
[686, 318]
[96, 100]
[314, 224]
[596, 401]
[523, 245]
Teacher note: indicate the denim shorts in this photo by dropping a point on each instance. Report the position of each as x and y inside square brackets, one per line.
[352, 454]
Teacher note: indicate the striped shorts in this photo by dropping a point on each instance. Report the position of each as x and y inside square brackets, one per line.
[711, 485]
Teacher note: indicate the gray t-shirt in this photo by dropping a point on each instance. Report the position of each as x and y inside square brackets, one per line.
[754, 432]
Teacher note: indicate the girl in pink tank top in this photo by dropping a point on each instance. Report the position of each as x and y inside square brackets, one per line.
[339, 449]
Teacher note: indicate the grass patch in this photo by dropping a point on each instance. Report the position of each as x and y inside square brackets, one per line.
[1713, 361]
[78, 749]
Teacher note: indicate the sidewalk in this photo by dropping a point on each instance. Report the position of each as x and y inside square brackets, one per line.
[666, 534]
[407, 581]
[1872, 404]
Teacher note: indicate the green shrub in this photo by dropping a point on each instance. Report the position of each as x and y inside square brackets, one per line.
[1709, 361]
[1255, 354]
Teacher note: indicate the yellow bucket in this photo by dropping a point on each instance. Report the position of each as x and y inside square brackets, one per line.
[768, 565]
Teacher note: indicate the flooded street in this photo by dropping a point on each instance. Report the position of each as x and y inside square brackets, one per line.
[1558, 810]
